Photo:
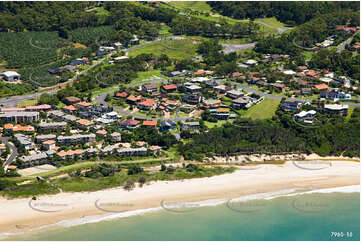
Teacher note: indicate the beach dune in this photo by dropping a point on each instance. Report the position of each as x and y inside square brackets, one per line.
[21, 215]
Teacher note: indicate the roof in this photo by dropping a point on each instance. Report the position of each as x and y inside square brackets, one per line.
[170, 87]
[101, 131]
[43, 106]
[131, 121]
[149, 102]
[19, 128]
[335, 107]
[84, 122]
[73, 99]
[222, 110]
[49, 142]
[150, 122]
[193, 87]
[155, 147]
[122, 94]
[70, 108]
[12, 109]
[10, 73]
[321, 86]
[84, 104]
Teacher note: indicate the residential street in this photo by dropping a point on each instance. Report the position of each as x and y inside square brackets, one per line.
[14, 151]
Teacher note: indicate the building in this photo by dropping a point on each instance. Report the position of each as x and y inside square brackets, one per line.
[134, 100]
[84, 124]
[341, 109]
[84, 106]
[241, 102]
[170, 88]
[211, 103]
[193, 88]
[18, 128]
[35, 159]
[19, 117]
[290, 105]
[130, 123]
[70, 109]
[11, 76]
[78, 138]
[150, 88]
[142, 151]
[41, 138]
[150, 123]
[72, 100]
[167, 125]
[49, 144]
[321, 87]
[192, 99]
[147, 105]
[306, 116]
[222, 88]
[190, 125]
[71, 154]
[38, 108]
[121, 95]
[115, 136]
[234, 94]
[54, 126]
[220, 113]
[24, 141]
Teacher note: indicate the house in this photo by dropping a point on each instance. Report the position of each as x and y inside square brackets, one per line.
[134, 41]
[24, 141]
[251, 62]
[234, 94]
[109, 149]
[77, 138]
[221, 113]
[70, 109]
[101, 132]
[78, 61]
[150, 88]
[71, 154]
[290, 105]
[18, 128]
[49, 144]
[84, 106]
[190, 125]
[211, 103]
[120, 59]
[19, 117]
[193, 88]
[279, 86]
[252, 80]
[151, 123]
[69, 118]
[70, 68]
[84, 124]
[121, 95]
[222, 88]
[130, 123]
[170, 88]
[155, 149]
[167, 125]
[44, 137]
[305, 116]
[241, 102]
[202, 72]
[199, 79]
[115, 136]
[38, 108]
[306, 91]
[35, 159]
[142, 151]
[112, 115]
[54, 71]
[133, 99]
[312, 73]
[321, 87]
[147, 105]
[192, 99]
[211, 83]
[72, 100]
[341, 109]
[11, 76]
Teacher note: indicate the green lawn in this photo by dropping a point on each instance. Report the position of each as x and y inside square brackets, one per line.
[25, 103]
[308, 55]
[103, 91]
[263, 110]
[177, 49]
[218, 124]
[273, 22]
[193, 5]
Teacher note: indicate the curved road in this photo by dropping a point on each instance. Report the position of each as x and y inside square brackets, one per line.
[14, 151]
[280, 30]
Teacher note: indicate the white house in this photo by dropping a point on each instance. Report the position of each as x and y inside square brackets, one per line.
[11, 76]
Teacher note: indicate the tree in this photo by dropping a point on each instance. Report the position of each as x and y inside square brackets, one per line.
[129, 185]
[142, 180]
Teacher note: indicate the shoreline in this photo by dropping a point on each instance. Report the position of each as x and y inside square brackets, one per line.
[69, 209]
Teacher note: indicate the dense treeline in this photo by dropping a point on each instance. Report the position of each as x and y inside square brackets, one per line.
[295, 12]
[344, 63]
[336, 136]
[308, 34]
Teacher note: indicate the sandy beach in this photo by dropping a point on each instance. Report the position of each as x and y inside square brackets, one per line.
[20, 215]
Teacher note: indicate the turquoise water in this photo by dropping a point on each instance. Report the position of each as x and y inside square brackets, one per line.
[302, 217]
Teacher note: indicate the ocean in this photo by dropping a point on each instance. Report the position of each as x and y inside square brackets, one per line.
[328, 214]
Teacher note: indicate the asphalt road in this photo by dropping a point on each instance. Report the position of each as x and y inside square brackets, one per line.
[343, 45]
[14, 151]
[280, 30]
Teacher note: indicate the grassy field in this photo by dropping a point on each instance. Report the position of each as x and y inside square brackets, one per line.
[25, 103]
[177, 49]
[273, 22]
[264, 110]
[193, 5]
